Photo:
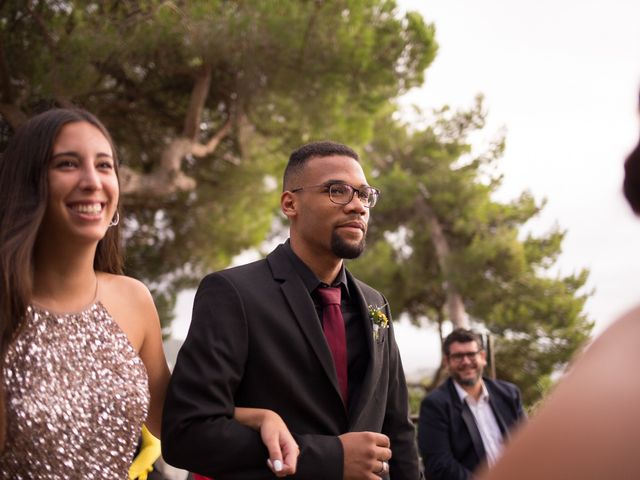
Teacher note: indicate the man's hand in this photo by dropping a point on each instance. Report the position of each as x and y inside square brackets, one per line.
[364, 454]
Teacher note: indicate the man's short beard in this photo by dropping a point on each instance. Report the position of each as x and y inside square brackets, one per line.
[348, 250]
[468, 382]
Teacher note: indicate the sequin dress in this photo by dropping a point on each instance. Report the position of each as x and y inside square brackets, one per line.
[77, 395]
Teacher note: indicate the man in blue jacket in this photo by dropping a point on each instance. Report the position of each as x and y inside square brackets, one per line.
[466, 420]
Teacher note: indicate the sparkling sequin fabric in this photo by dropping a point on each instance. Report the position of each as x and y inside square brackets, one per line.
[77, 394]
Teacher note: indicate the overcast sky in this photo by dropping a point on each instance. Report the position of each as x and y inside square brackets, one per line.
[562, 76]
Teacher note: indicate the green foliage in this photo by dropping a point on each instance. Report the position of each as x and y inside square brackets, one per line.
[288, 71]
[537, 318]
[416, 394]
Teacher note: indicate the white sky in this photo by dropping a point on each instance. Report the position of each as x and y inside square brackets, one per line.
[563, 77]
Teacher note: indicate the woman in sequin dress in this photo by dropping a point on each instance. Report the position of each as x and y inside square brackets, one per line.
[80, 343]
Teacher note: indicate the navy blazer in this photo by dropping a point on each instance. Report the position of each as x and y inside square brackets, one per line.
[256, 341]
[448, 437]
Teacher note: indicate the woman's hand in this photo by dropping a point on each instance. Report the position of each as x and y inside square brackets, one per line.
[283, 449]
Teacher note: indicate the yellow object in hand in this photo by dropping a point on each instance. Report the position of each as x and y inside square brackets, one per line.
[149, 453]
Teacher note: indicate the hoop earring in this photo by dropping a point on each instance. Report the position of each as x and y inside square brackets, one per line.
[115, 220]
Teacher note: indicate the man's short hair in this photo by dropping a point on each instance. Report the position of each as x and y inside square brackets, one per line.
[302, 155]
[461, 335]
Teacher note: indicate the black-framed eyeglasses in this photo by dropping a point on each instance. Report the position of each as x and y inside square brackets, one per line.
[342, 193]
[459, 356]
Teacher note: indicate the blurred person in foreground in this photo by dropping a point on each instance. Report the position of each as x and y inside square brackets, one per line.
[465, 421]
[298, 334]
[589, 427]
[81, 356]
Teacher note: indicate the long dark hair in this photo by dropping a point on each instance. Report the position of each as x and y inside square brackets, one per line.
[631, 184]
[23, 200]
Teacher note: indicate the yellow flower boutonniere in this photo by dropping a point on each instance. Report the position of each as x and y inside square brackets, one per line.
[379, 321]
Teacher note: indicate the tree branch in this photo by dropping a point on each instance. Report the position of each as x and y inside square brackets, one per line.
[153, 185]
[197, 100]
[202, 150]
[307, 33]
[169, 178]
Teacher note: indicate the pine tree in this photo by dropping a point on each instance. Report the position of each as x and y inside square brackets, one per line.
[436, 191]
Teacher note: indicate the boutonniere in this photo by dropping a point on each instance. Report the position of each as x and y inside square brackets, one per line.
[379, 321]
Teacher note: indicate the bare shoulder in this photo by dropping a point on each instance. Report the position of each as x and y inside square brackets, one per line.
[130, 304]
[124, 289]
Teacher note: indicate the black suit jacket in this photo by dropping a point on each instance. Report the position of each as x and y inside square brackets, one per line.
[448, 437]
[255, 340]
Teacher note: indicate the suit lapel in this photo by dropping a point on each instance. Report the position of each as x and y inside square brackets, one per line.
[303, 310]
[469, 421]
[374, 363]
[494, 401]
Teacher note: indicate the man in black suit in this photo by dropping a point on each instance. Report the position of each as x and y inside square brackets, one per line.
[465, 421]
[256, 340]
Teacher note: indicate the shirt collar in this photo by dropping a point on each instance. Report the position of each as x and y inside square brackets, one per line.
[462, 393]
[311, 282]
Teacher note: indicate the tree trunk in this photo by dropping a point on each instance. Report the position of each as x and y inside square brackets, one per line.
[13, 115]
[441, 373]
[455, 306]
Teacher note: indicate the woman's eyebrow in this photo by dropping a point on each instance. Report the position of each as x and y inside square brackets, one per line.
[72, 153]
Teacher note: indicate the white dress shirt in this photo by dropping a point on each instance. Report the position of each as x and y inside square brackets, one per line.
[486, 422]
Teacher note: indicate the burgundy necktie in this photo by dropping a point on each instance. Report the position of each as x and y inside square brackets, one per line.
[333, 326]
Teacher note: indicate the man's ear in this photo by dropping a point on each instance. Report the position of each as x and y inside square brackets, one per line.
[483, 356]
[288, 204]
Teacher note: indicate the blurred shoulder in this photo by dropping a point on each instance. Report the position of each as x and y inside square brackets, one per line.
[502, 385]
[440, 394]
[627, 323]
[618, 343]
[598, 373]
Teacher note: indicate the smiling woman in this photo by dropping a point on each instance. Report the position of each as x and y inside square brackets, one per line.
[80, 343]
[83, 185]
